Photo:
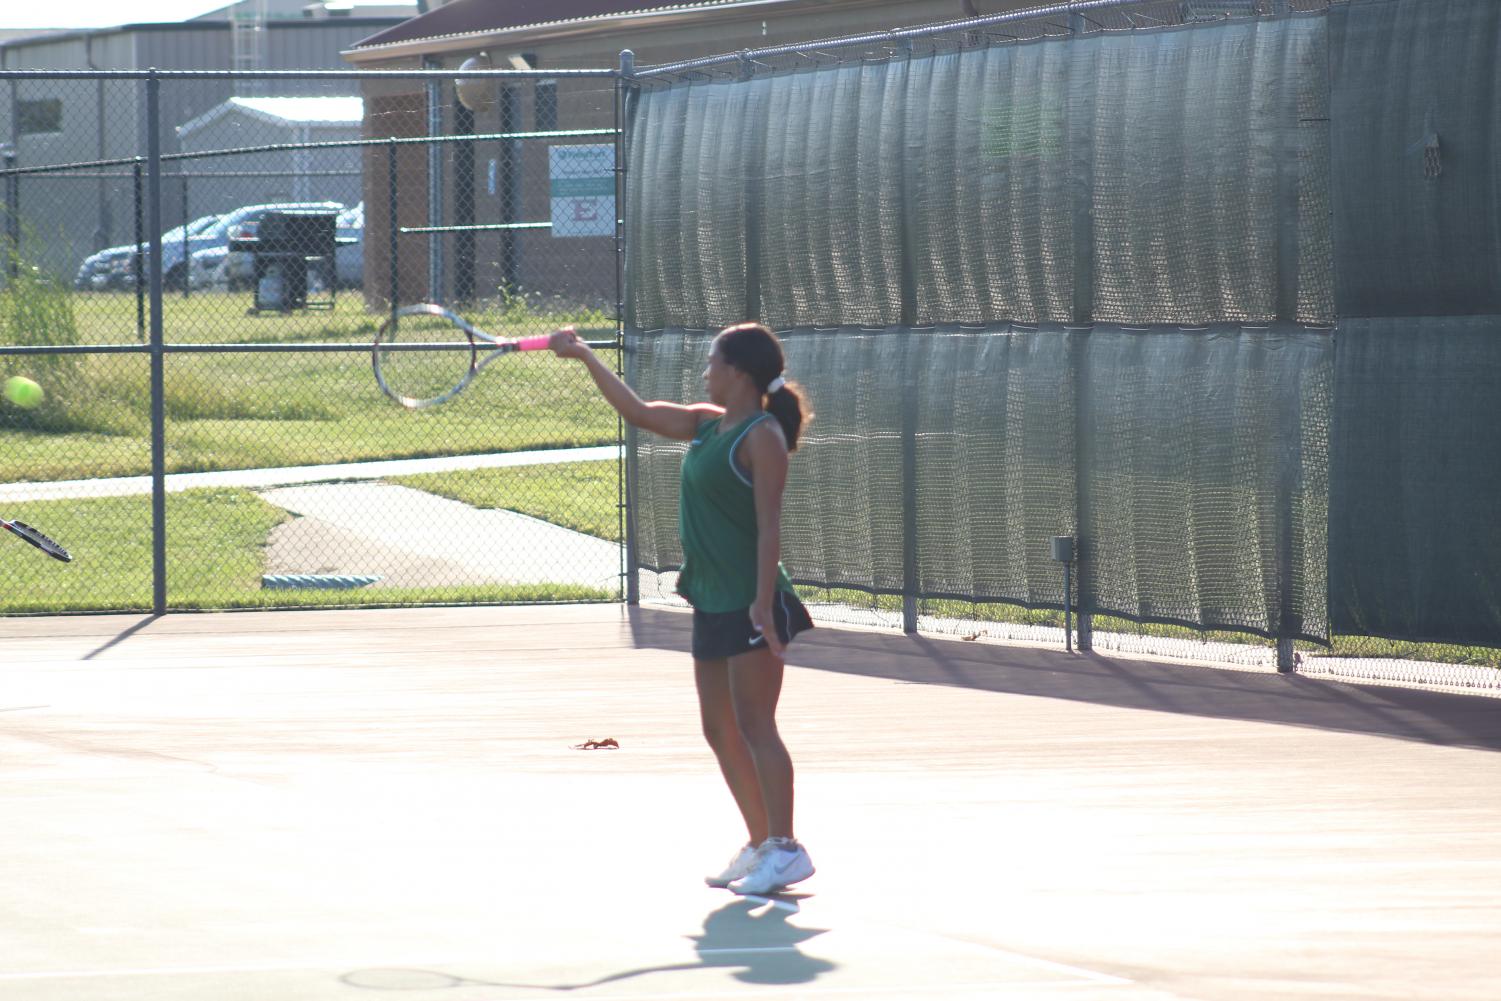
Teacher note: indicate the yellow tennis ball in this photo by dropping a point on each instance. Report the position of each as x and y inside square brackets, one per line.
[23, 392]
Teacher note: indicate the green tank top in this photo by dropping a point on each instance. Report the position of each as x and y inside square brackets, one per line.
[717, 521]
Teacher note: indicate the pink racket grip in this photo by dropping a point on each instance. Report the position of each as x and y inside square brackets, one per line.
[533, 343]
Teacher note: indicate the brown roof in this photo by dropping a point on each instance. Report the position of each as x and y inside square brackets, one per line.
[465, 17]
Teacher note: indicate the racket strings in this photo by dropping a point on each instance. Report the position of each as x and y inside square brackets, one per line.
[422, 359]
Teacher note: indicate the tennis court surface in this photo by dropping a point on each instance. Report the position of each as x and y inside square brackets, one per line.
[310, 806]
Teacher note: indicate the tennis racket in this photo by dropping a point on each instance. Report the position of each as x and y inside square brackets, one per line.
[426, 354]
[31, 535]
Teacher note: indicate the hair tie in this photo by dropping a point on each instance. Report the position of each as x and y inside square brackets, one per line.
[775, 384]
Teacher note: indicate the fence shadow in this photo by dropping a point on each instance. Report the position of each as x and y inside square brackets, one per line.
[124, 635]
[1437, 718]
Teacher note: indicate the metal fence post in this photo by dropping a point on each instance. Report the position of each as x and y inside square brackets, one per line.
[910, 581]
[625, 435]
[158, 409]
[1083, 237]
[753, 207]
[1289, 461]
[1084, 550]
[1289, 170]
[138, 176]
[12, 211]
[435, 276]
[393, 225]
[463, 205]
[508, 190]
[183, 176]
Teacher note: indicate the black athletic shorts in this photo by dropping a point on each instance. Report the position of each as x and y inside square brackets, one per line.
[720, 635]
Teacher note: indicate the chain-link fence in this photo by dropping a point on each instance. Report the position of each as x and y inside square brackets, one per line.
[1072, 274]
[1100, 275]
[209, 433]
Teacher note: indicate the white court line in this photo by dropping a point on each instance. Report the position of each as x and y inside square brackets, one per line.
[910, 934]
[926, 988]
[178, 971]
[1090, 979]
[1077, 971]
[1083, 979]
[993, 988]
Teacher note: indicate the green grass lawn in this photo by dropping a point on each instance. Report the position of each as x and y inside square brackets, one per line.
[216, 543]
[238, 411]
[235, 411]
[582, 496]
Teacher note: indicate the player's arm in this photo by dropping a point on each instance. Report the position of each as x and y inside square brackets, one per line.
[765, 455]
[670, 420]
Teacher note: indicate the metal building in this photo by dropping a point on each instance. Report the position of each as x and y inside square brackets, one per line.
[45, 122]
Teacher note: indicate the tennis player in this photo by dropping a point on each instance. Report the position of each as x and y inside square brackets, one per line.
[744, 609]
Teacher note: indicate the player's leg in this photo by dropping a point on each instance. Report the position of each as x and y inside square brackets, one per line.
[755, 683]
[735, 763]
[756, 687]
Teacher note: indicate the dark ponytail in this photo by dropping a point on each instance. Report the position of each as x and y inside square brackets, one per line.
[788, 405]
[755, 350]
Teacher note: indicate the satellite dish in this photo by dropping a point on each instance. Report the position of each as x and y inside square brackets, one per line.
[475, 93]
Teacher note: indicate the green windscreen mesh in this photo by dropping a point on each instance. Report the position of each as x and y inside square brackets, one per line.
[1416, 89]
[1206, 481]
[993, 217]
[1206, 488]
[826, 230]
[994, 450]
[1191, 145]
[1415, 540]
[1416, 455]
[927, 231]
[687, 191]
[1203, 144]
[1089, 284]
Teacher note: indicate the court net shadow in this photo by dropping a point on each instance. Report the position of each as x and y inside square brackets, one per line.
[1386, 711]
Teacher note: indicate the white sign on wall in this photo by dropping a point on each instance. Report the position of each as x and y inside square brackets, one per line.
[583, 190]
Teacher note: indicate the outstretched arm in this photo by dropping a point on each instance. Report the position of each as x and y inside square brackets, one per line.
[670, 420]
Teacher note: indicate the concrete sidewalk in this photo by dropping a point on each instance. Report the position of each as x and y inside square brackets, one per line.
[410, 538]
[308, 806]
[257, 479]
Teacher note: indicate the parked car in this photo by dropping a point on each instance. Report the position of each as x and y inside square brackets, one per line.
[114, 267]
[176, 249]
[240, 227]
[206, 268]
[97, 270]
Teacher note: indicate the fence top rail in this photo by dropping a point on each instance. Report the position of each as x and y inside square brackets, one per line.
[444, 74]
[900, 36]
[247, 347]
[125, 161]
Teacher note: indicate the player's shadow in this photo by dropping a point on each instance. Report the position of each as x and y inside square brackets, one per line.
[761, 948]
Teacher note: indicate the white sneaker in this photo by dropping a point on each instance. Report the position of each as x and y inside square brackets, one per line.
[741, 864]
[779, 863]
